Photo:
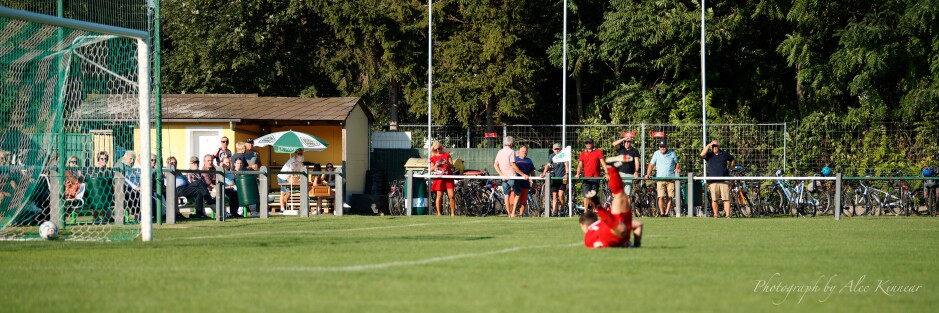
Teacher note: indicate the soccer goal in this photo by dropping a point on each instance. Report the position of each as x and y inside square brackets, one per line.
[75, 111]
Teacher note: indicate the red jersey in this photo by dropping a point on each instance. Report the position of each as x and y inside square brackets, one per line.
[600, 234]
[591, 161]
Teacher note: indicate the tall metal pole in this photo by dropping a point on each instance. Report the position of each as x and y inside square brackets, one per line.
[570, 184]
[157, 110]
[430, 73]
[704, 121]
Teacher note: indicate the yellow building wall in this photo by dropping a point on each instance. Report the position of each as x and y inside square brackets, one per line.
[176, 141]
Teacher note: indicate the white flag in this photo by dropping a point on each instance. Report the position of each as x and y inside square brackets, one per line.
[563, 156]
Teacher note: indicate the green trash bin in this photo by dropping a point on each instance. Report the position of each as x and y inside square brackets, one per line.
[99, 193]
[419, 203]
[247, 185]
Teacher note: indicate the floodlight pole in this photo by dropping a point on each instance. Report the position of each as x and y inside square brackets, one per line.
[570, 185]
[430, 74]
[704, 121]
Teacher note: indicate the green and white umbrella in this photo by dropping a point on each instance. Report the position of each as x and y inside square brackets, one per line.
[289, 141]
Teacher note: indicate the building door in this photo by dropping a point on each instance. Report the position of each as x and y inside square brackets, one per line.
[204, 141]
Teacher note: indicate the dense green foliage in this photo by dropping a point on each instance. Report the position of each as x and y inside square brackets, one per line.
[496, 264]
[629, 61]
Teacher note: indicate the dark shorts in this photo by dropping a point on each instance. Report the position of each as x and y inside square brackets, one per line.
[589, 185]
[557, 185]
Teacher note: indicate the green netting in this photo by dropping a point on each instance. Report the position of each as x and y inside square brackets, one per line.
[68, 109]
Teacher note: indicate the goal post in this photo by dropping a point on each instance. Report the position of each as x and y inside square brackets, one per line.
[63, 83]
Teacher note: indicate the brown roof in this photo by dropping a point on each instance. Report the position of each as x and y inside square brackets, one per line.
[231, 107]
[252, 107]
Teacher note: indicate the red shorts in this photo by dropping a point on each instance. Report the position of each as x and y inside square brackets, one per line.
[443, 184]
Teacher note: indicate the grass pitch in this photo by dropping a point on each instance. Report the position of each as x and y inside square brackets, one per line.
[497, 264]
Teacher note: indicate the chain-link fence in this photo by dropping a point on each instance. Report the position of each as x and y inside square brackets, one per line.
[797, 149]
[864, 149]
[758, 146]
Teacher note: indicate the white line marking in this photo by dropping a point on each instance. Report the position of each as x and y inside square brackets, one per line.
[316, 231]
[363, 267]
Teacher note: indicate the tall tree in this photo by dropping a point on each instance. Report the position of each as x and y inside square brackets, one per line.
[265, 46]
[480, 71]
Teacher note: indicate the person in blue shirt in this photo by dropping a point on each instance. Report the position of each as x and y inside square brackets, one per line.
[525, 168]
[666, 165]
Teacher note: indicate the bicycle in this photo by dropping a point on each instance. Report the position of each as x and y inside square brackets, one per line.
[644, 199]
[741, 196]
[396, 201]
[876, 201]
[535, 199]
[926, 199]
[801, 199]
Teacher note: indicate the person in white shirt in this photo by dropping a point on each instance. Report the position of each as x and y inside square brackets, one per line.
[294, 164]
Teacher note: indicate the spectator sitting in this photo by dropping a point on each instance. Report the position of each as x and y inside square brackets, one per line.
[329, 179]
[73, 178]
[294, 164]
[230, 189]
[131, 181]
[101, 161]
[196, 188]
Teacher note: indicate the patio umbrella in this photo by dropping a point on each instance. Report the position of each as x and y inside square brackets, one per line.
[289, 141]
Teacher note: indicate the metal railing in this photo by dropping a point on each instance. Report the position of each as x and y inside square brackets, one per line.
[263, 191]
[679, 198]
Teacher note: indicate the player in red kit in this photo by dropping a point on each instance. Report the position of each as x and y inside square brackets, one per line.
[611, 228]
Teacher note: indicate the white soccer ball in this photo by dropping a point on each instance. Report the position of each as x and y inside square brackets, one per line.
[48, 230]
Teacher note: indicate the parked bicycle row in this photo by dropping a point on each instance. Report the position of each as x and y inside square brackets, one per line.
[516, 194]
[860, 197]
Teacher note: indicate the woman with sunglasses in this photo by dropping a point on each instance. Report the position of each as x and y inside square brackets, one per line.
[73, 178]
[441, 164]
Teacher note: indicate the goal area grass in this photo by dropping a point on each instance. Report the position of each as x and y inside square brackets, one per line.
[494, 264]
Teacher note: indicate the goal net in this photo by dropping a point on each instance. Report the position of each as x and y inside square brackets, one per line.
[73, 140]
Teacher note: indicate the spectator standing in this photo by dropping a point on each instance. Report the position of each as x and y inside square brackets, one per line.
[591, 162]
[251, 156]
[503, 166]
[239, 152]
[442, 164]
[222, 151]
[717, 160]
[666, 165]
[630, 163]
[524, 167]
[558, 169]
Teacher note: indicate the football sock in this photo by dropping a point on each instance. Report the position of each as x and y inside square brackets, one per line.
[616, 184]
